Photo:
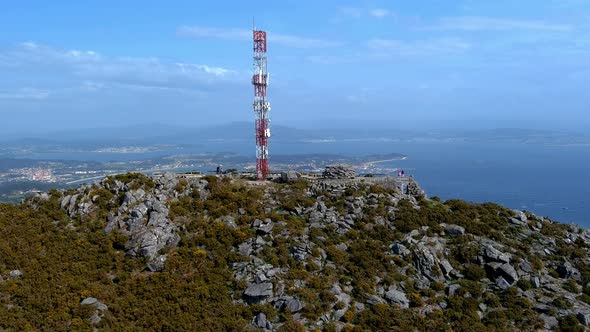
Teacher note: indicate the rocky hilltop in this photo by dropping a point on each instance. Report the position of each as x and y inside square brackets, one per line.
[333, 253]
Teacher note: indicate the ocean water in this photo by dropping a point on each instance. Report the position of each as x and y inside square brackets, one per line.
[551, 181]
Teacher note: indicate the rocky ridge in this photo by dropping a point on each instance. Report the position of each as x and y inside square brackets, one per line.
[360, 244]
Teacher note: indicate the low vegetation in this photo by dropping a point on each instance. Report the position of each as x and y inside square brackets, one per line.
[66, 257]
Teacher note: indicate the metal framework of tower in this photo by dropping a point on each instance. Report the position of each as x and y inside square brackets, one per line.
[261, 105]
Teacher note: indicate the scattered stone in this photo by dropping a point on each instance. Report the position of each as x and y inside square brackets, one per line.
[294, 305]
[502, 283]
[338, 314]
[94, 302]
[256, 293]
[455, 230]
[358, 306]
[535, 282]
[516, 222]
[157, 264]
[550, 321]
[266, 228]
[427, 262]
[413, 189]
[95, 318]
[342, 247]
[508, 272]
[584, 318]
[245, 248]
[229, 221]
[400, 249]
[540, 307]
[526, 267]
[452, 291]
[257, 223]
[446, 267]
[520, 216]
[483, 307]
[374, 299]
[15, 274]
[168, 180]
[260, 321]
[397, 297]
[492, 254]
[290, 176]
[568, 271]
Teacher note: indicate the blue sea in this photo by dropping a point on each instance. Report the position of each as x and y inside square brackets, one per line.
[547, 180]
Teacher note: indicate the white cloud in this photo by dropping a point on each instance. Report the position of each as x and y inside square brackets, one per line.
[92, 86]
[246, 35]
[29, 44]
[89, 66]
[478, 23]
[84, 55]
[419, 47]
[217, 71]
[379, 13]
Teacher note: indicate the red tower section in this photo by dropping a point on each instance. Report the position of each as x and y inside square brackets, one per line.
[261, 105]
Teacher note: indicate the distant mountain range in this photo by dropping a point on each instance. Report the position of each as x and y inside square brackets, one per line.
[243, 131]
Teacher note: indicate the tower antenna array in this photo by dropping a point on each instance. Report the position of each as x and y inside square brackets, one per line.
[261, 106]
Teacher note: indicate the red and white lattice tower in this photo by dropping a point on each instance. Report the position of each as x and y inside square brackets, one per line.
[261, 106]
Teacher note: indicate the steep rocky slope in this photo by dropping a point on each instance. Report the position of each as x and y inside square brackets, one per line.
[185, 252]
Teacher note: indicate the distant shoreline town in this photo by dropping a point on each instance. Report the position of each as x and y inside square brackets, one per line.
[29, 176]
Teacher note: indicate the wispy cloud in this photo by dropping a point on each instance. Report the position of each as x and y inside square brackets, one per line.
[349, 12]
[217, 71]
[208, 32]
[90, 66]
[24, 94]
[418, 47]
[379, 50]
[291, 41]
[357, 12]
[479, 23]
[380, 12]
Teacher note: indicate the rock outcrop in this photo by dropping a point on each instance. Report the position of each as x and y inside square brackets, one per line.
[142, 215]
[324, 251]
[339, 172]
[98, 314]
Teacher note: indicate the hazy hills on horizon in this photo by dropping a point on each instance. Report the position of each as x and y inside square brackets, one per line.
[238, 131]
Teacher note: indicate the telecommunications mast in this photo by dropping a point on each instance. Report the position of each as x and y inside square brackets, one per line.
[260, 105]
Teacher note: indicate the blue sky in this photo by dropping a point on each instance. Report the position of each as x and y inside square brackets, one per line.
[390, 64]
